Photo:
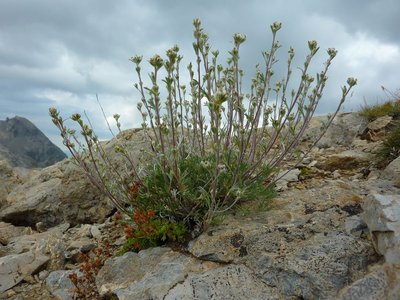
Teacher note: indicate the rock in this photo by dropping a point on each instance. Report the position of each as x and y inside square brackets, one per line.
[95, 232]
[344, 128]
[314, 269]
[58, 194]
[227, 282]
[9, 231]
[83, 244]
[336, 174]
[219, 246]
[305, 256]
[60, 285]
[380, 123]
[13, 268]
[371, 287]
[348, 159]
[382, 282]
[149, 274]
[392, 172]
[284, 179]
[9, 178]
[382, 215]
[355, 226]
[62, 193]
[42, 240]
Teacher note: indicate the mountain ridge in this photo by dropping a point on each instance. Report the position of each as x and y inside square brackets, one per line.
[22, 144]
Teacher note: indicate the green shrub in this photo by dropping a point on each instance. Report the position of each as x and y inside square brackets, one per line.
[145, 230]
[390, 148]
[199, 168]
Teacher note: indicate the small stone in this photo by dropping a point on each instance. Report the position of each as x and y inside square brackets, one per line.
[313, 163]
[95, 231]
[11, 293]
[336, 174]
[43, 275]
[30, 279]
[40, 227]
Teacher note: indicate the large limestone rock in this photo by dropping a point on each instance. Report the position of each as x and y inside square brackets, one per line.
[149, 274]
[13, 268]
[10, 178]
[348, 159]
[382, 215]
[9, 231]
[227, 282]
[344, 128]
[383, 282]
[62, 193]
[392, 172]
[60, 285]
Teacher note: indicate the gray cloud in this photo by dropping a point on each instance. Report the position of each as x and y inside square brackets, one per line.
[61, 53]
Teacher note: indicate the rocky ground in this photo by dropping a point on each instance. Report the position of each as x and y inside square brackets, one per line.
[333, 232]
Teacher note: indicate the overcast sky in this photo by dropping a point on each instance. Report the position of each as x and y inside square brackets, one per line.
[61, 53]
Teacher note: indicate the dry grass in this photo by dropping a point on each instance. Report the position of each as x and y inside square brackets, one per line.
[389, 108]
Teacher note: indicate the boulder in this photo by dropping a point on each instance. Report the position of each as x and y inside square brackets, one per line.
[344, 128]
[9, 179]
[9, 231]
[382, 216]
[371, 287]
[13, 268]
[348, 159]
[380, 123]
[62, 192]
[382, 282]
[227, 282]
[304, 257]
[392, 172]
[149, 274]
[60, 285]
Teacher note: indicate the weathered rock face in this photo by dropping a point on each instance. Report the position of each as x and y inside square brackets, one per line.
[392, 172]
[60, 285]
[13, 268]
[382, 215]
[150, 274]
[60, 193]
[344, 128]
[24, 145]
[311, 258]
[10, 178]
[381, 283]
[227, 282]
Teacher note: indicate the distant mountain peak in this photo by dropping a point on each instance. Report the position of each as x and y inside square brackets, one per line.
[22, 144]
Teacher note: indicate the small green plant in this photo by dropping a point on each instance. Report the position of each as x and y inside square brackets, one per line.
[388, 108]
[390, 148]
[212, 145]
[148, 231]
